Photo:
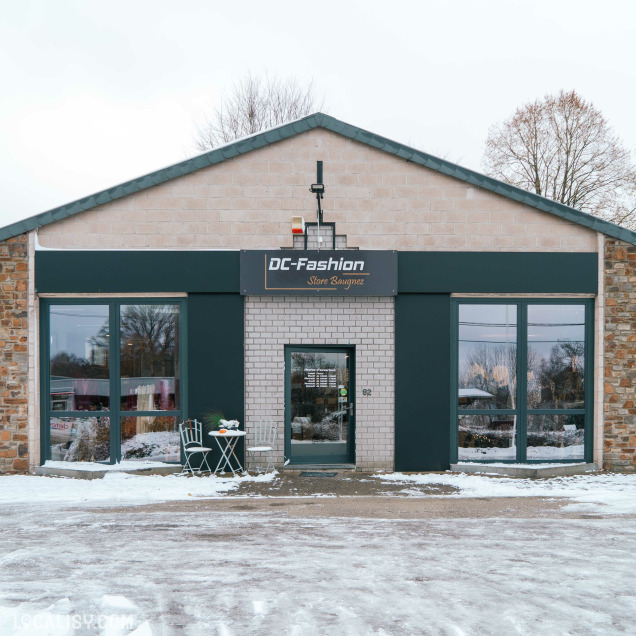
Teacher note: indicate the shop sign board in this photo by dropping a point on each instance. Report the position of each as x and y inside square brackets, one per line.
[324, 272]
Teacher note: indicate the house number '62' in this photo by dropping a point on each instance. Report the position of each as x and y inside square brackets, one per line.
[366, 391]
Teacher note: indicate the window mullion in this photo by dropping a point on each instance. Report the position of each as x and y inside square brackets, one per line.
[522, 381]
[454, 366]
[45, 378]
[115, 444]
[588, 375]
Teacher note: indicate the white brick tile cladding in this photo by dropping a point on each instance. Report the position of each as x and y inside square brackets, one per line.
[312, 241]
[367, 323]
[377, 200]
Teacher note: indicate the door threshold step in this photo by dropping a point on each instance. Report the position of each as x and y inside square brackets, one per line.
[533, 471]
[93, 470]
[319, 467]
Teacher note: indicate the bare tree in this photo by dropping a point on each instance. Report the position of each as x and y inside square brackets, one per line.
[493, 369]
[253, 105]
[564, 149]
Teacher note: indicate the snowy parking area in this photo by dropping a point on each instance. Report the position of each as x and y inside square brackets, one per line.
[71, 565]
[604, 493]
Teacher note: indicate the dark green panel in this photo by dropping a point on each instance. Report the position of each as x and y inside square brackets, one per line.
[422, 386]
[497, 272]
[419, 272]
[136, 271]
[215, 359]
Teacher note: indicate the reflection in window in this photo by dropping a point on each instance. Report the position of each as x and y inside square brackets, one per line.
[319, 402]
[487, 437]
[81, 419]
[79, 362]
[556, 356]
[80, 439]
[149, 357]
[549, 422]
[556, 437]
[153, 437]
[487, 356]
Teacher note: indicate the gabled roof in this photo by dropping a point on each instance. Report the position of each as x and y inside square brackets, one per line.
[319, 120]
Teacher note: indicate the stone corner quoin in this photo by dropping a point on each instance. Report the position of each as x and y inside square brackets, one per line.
[620, 357]
[14, 356]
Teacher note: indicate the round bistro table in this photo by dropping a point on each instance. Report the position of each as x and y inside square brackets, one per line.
[226, 443]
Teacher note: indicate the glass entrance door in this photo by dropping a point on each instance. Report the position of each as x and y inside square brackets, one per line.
[319, 405]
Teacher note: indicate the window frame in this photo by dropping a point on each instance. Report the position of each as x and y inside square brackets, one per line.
[522, 411]
[115, 412]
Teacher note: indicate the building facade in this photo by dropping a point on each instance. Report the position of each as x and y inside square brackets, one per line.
[430, 315]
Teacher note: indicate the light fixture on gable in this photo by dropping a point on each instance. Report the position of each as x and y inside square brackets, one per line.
[298, 225]
[318, 189]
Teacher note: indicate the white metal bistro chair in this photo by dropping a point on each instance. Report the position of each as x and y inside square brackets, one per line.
[191, 432]
[264, 438]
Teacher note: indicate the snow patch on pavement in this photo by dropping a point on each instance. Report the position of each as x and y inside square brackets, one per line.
[607, 493]
[93, 466]
[114, 601]
[225, 573]
[117, 488]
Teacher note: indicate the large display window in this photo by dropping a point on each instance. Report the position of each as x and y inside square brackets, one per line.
[523, 381]
[112, 379]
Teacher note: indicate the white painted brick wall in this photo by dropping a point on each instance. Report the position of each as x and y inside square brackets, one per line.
[312, 241]
[367, 323]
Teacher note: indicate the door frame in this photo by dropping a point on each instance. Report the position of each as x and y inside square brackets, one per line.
[351, 444]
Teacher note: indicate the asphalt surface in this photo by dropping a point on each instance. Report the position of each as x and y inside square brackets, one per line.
[352, 494]
[311, 556]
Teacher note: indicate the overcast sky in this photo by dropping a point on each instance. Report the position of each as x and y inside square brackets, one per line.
[97, 93]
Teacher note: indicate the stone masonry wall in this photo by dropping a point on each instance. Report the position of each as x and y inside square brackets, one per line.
[620, 357]
[13, 355]
[271, 322]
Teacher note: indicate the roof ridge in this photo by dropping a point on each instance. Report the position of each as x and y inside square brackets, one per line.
[318, 119]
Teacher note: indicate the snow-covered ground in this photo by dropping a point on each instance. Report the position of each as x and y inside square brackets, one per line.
[599, 493]
[605, 493]
[574, 451]
[70, 565]
[116, 488]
